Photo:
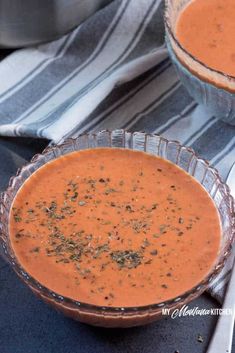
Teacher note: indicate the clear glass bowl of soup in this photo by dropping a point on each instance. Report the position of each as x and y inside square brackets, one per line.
[184, 158]
[211, 87]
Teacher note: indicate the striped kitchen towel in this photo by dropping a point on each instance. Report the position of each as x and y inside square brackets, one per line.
[111, 72]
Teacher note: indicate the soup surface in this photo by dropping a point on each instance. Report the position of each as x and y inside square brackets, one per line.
[114, 227]
[206, 29]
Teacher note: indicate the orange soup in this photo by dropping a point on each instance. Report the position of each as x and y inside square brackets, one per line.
[114, 227]
[206, 29]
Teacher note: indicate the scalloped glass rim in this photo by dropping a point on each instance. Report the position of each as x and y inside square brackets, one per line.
[222, 75]
[96, 139]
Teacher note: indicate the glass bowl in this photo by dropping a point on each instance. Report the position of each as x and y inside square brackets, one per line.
[209, 87]
[182, 156]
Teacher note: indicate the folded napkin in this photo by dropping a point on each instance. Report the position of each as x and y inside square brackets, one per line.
[111, 72]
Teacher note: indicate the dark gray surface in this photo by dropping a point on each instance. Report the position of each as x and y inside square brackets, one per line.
[27, 325]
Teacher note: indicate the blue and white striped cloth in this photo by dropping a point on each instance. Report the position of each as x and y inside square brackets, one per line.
[113, 71]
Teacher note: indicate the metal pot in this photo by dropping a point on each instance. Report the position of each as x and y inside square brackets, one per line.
[27, 22]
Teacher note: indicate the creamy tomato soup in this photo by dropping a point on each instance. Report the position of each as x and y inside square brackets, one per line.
[114, 227]
[206, 29]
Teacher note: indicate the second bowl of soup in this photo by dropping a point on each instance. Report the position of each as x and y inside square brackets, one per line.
[199, 36]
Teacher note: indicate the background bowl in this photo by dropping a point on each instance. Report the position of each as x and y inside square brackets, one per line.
[183, 157]
[209, 87]
[27, 22]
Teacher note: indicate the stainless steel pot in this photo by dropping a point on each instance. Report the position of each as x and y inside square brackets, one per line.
[27, 22]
